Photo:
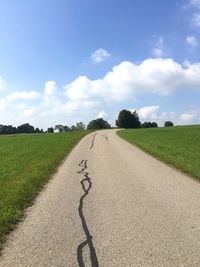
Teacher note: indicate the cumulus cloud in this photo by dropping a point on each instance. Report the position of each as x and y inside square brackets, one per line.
[148, 113]
[195, 3]
[50, 88]
[83, 98]
[185, 117]
[24, 95]
[190, 116]
[196, 19]
[128, 80]
[2, 83]
[158, 50]
[102, 114]
[100, 55]
[153, 113]
[191, 41]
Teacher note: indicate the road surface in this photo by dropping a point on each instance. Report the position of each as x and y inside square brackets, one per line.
[110, 204]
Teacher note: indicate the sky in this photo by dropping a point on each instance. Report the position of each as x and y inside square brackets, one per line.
[66, 61]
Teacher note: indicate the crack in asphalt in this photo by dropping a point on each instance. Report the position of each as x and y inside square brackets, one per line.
[86, 186]
[93, 141]
[105, 136]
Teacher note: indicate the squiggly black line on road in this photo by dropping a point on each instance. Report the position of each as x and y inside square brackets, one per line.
[86, 186]
[93, 141]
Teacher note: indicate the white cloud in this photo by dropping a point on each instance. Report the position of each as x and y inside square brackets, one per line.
[50, 88]
[128, 80]
[190, 116]
[100, 55]
[102, 114]
[83, 98]
[158, 50]
[191, 41]
[185, 117]
[23, 95]
[80, 88]
[153, 113]
[2, 83]
[3, 104]
[148, 113]
[196, 20]
[29, 112]
[195, 3]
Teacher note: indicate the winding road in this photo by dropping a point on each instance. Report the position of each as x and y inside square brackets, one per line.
[110, 204]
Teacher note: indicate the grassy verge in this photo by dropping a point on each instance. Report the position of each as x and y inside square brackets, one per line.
[26, 163]
[178, 146]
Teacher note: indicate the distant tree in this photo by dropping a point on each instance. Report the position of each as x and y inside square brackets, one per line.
[37, 130]
[154, 124]
[1, 127]
[61, 128]
[146, 125]
[80, 126]
[73, 128]
[58, 127]
[168, 124]
[149, 125]
[50, 130]
[98, 124]
[128, 119]
[25, 128]
[66, 128]
[8, 129]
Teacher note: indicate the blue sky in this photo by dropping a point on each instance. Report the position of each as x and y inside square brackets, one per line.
[66, 61]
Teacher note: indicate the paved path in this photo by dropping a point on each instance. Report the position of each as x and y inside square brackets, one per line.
[110, 204]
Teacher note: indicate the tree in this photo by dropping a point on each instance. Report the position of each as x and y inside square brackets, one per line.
[154, 124]
[149, 125]
[25, 128]
[8, 129]
[80, 126]
[168, 124]
[98, 124]
[1, 128]
[61, 128]
[128, 119]
[50, 130]
[37, 130]
[73, 128]
[66, 128]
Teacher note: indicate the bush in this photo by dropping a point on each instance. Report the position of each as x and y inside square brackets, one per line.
[168, 124]
[149, 125]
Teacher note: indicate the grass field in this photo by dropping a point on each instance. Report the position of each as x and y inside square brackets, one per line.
[26, 164]
[178, 146]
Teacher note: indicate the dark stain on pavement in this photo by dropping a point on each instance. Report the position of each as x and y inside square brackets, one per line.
[86, 186]
[93, 141]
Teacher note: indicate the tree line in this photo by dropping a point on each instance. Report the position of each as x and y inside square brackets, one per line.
[24, 128]
[126, 119]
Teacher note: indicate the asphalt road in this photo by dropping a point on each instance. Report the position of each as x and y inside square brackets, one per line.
[110, 204]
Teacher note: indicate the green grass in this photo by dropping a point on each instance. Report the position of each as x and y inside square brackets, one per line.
[178, 146]
[26, 163]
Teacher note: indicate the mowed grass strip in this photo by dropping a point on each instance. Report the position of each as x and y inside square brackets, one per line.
[26, 163]
[178, 146]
